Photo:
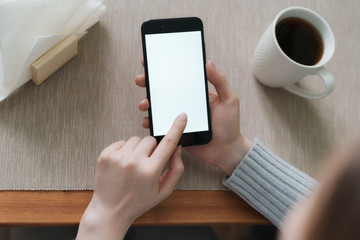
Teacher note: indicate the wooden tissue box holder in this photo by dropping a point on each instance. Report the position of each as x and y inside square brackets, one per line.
[54, 59]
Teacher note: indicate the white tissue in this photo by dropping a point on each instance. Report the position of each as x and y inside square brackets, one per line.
[29, 28]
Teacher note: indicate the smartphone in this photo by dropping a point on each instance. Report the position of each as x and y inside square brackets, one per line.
[175, 73]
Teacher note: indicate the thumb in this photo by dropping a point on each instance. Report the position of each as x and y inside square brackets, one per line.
[219, 81]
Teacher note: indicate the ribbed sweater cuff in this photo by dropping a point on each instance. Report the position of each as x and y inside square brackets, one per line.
[268, 183]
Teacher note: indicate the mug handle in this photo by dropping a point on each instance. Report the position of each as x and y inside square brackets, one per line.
[328, 81]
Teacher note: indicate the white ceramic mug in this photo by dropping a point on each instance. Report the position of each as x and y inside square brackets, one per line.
[273, 68]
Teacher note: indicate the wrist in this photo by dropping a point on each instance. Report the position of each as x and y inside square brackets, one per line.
[99, 223]
[235, 152]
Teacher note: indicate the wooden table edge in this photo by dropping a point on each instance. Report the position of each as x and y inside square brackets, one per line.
[182, 207]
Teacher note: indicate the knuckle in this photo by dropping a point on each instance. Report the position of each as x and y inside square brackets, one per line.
[149, 173]
[104, 156]
[126, 163]
[106, 160]
[135, 138]
[180, 168]
[128, 166]
[150, 139]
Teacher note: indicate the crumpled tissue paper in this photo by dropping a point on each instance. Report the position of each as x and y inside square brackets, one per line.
[29, 28]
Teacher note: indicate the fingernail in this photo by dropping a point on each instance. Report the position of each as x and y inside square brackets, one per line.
[183, 116]
[211, 63]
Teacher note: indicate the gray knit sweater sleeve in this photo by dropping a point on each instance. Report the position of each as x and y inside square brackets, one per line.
[268, 183]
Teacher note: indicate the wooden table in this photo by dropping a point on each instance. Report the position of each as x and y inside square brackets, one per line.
[51, 135]
[62, 208]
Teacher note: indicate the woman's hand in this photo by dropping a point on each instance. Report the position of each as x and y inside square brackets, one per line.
[228, 146]
[130, 180]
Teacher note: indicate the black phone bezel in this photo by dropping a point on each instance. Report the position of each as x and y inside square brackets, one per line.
[172, 25]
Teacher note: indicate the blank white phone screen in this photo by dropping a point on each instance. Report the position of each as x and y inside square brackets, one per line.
[176, 80]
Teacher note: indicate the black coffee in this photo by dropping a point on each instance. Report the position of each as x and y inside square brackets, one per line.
[300, 40]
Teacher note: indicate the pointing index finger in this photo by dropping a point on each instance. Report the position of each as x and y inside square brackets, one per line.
[170, 141]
